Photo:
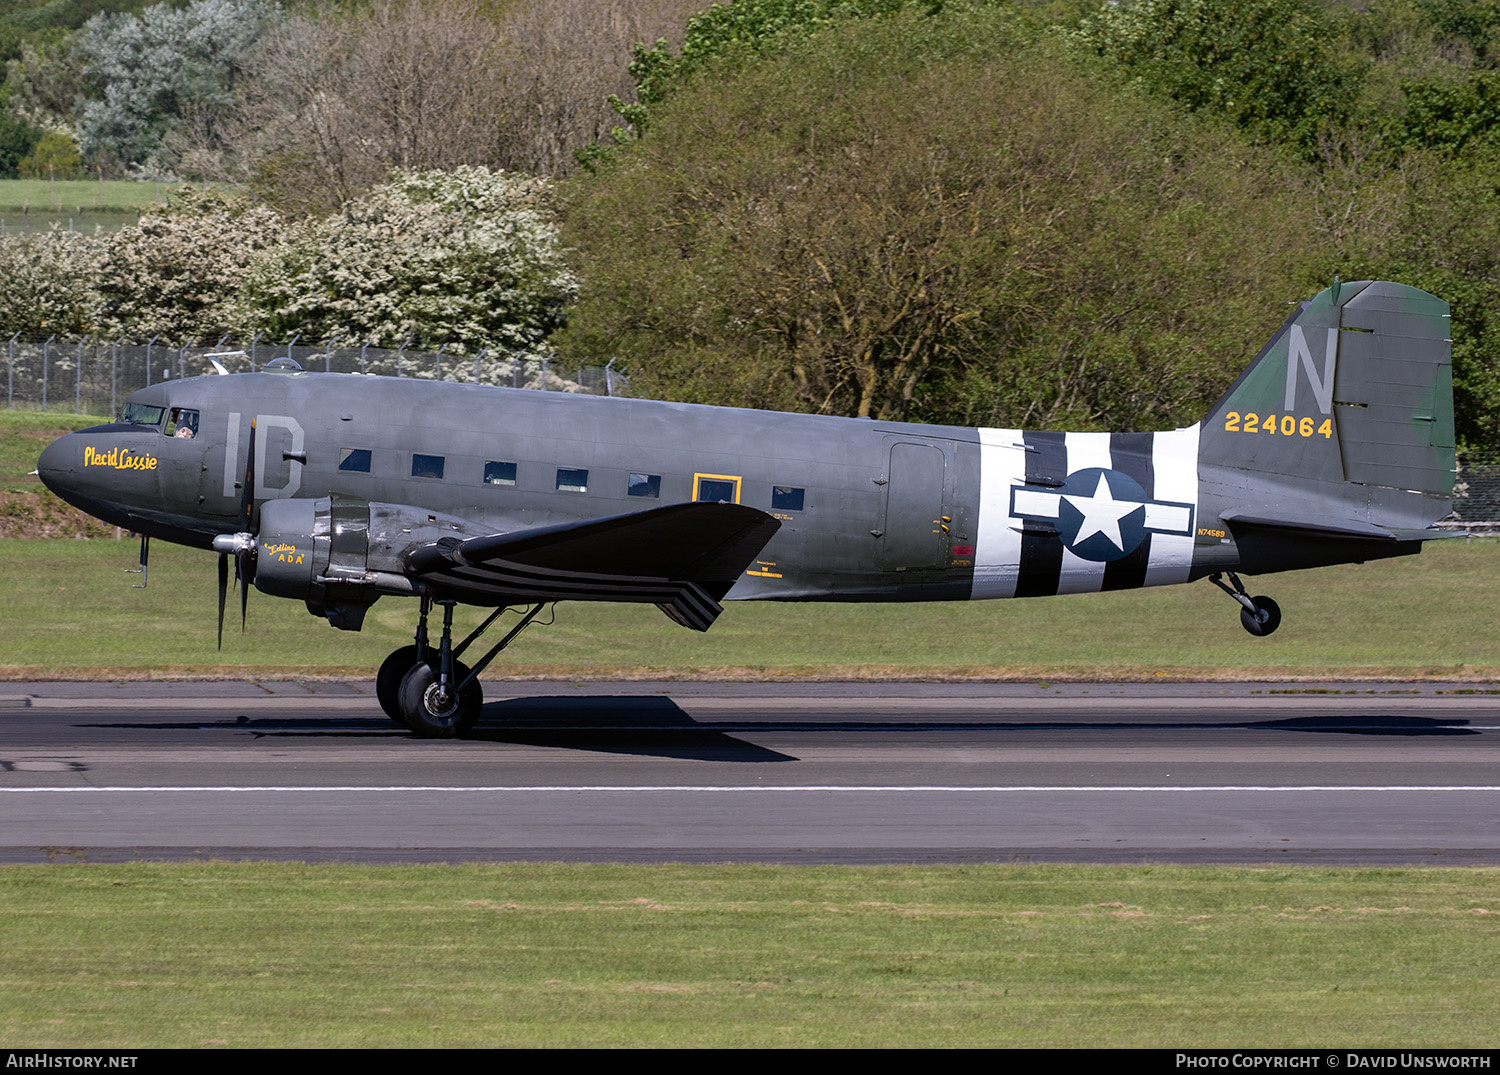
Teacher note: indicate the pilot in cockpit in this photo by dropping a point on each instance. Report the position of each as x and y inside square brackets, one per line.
[182, 423]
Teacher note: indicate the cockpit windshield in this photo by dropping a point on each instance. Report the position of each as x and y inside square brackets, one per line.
[141, 414]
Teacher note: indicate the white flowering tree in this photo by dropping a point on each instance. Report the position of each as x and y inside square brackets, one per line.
[468, 258]
[46, 284]
[177, 273]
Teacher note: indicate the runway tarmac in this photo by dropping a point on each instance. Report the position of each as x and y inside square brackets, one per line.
[792, 772]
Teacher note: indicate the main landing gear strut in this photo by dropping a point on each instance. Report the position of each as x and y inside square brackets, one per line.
[429, 689]
[1259, 615]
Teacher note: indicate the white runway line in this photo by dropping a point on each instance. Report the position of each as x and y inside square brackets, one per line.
[758, 789]
[1264, 703]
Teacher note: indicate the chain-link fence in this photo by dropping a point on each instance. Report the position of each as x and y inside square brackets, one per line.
[1476, 493]
[94, 376]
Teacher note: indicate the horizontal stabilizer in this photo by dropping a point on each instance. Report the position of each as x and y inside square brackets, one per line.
[683, 558]
[1338, 528]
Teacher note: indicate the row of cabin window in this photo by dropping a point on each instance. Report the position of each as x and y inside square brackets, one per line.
[576, 480]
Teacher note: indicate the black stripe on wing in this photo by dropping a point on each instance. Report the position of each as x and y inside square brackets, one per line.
[682, 558]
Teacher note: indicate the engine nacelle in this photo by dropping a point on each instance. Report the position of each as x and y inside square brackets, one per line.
[317, 551]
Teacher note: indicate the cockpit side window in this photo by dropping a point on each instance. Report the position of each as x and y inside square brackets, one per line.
[141, 414]
[182, 423]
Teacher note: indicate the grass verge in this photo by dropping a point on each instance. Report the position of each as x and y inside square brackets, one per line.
[89, 194]
[199, 955]
[72, 613]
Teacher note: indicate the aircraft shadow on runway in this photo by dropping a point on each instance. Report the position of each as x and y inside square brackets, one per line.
[655, 727]
[658, 727]
[1369, 724]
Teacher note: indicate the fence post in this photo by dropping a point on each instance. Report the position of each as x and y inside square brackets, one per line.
[328, 354]
[609, 380]
[438, 361]
[363, 366]
[400, 352]
[253, 341]
[78, 388]
[114, 372]
[46, 362]
[10, 373]
[295, 337]
[478, 359]
[149, 342]
[182, 356]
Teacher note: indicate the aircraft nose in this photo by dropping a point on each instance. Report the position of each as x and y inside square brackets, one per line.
[58, 465]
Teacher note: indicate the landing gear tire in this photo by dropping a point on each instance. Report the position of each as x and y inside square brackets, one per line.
[433, 713]
[1265, 619]
[388, 681]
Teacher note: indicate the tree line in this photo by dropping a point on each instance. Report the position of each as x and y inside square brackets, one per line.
[1065, 214]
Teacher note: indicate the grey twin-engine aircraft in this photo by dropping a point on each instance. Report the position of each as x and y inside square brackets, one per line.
[1335, 446]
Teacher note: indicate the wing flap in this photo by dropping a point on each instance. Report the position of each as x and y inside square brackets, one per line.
[683, 558]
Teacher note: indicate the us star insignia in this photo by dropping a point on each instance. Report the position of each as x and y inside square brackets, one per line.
[1101, 514]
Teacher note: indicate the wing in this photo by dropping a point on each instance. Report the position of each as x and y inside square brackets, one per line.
[683, 558]
[1336, 527]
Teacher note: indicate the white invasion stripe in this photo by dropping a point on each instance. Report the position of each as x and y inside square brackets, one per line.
[994, 789]
[997, 549]
[1085, 450]
[1088, 450]
[1174, 458]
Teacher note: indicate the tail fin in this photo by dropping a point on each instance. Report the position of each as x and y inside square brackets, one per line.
[1343, 424]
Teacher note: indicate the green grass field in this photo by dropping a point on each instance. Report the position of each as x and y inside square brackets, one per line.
[34, 205]
[90, 194]
[203, 955]
[72, 613]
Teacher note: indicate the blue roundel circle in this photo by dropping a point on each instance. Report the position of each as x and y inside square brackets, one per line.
[1101, 514]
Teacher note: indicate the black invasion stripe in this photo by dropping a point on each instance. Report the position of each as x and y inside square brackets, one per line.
[685, 595]
[1130, 453]
[1041, 554]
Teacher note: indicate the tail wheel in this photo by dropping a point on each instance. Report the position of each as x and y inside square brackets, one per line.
[434, 713]
[1265, 619]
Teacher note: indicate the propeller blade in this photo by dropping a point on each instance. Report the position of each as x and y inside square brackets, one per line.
[247, 491]
[244, 558]
[223, 590]
[242, 561]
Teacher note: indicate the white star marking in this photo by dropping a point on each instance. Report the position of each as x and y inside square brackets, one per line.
[1101, 514]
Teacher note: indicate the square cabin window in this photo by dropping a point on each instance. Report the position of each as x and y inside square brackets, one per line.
[571, 480]
[499, 473]
[426, 466]
[718, 490]
[355, 459]
[786, 498]
[645, 485]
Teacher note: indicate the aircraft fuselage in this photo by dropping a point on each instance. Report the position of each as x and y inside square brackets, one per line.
[868, 510]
